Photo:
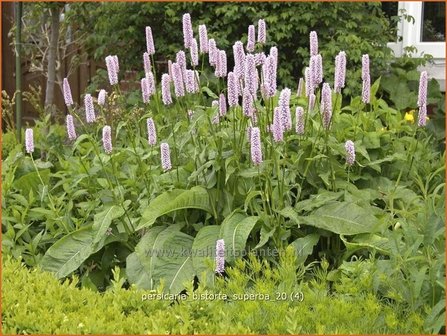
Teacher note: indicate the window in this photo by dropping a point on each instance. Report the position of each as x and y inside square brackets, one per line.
[433, 18]
[427, 33]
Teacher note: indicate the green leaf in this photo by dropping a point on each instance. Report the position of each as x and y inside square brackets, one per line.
[162, 254]
[195, 198]
[31, 181]
[304, 246]
[289, 212]
[368, 240]
[265, 236]
[252, 194]
[139, 265]
[103, 220]
[375, 87]
[203, 251]
[372, 140]
[316, 201]
[175, 264]
[69, 252]
[209, 92]
[235, 230]
[342, 218]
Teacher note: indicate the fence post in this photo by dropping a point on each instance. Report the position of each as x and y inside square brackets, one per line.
[18, 45]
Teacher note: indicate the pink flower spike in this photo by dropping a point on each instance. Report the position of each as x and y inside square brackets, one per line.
[366, 90]
[326, 105]
[269, 72]
[71, 131]
[221, 64]
[89, 110]
[299, 91]
[213, 52]
[423, 84]
[150, 83]
[149, 41]
[350, 152]
[422, 116]
[187, 30]
[179, 87]
[191, 81]
[203, 39]
[112, 70]
[340, 71]
[222, 105]
[220, 256]
[261, 31]
[151, 133]
[299, 120]
[260, 59]
[255, 146]
[313, 38]
[29, 140]
[239, 59]
[284, 105]
[274, 53]
[165, 156]
[166, 89]
[247, 103]
[180, 59]
[309, 82]
[365, 67]
[194, 53]
[277, 129]
[311, 104]
[250, 74]
[145, 90]
[170, 70]
[102, 95]
[251, 39]
[67, 93]
[107, 139]
[316, 69]
[146, 63]
[117, 64]
[232, 91]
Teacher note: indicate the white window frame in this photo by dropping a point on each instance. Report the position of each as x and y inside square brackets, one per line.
[411, 33]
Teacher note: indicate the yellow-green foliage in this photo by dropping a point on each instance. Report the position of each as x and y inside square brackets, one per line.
[35, 302]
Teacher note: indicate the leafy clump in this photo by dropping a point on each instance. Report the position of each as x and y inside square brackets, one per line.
[35, 302]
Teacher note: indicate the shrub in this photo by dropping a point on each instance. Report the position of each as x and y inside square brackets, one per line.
[35, 302]
[120, 27]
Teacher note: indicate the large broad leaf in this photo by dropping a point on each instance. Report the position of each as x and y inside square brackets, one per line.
[69, 252]
[174, 264]
[304, 246]
[343, 218]
[164, 253]
[203, 251]
[235, 230]
[103, 220]
[318, 200]
[32, 181]
[195, 198]
[367, 240]
[140, 264]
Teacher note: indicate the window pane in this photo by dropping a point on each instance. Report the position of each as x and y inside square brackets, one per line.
[433, 28]
[390, 10]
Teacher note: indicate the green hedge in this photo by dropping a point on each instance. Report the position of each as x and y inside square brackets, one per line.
[35, 302]
[358, 28]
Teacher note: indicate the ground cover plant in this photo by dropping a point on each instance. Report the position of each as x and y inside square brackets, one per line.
[209, 165]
